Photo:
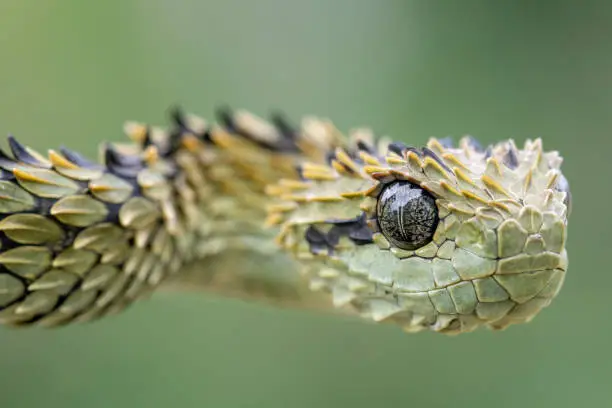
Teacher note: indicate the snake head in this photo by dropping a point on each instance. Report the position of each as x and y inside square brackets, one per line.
[436, 238]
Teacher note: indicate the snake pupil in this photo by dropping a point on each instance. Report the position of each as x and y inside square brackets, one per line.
[407, 215]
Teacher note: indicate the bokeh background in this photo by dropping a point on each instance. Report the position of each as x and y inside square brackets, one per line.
[72, 71]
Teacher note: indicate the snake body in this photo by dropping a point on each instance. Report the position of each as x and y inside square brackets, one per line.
[438, 238]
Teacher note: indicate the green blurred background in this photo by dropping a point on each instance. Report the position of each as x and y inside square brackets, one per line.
[72, 71]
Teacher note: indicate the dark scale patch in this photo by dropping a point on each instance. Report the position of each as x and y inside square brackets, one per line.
[178, 119]
[43, 205]
[429, 153]
[147, 141]
[6, 161]
[511, 157]
[285, 144]
[122, 165]
[317, 240]
[7, 243]
[447, 142]
[70, 233]
[402, 149]
[283, 126]
[331, 156]
[351, 152]
[79, 159]
[474, 144]
[355, 229]
[21, 153]
[366, 147]
[398, 148]
[6, 175]
[113, 212]
[300, 172]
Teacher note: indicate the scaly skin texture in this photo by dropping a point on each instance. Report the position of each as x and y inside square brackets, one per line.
[292, 216]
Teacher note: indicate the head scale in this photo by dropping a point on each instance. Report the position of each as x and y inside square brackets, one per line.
[441, 238]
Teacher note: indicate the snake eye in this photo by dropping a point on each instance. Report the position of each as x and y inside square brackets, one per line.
[407, 215]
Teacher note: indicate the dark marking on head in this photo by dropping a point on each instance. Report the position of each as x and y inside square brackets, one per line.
[225, 116]
[317, 240]
[428, 152]
[147, 140]
[285, 144]
[356, 229]
[511, 157]
[363, 146]
[120, 164]
[79, 159]
[300, 172]
[6, 161]
[474, 144]
[281, 123]
[6, 175]
[178, 119]
[447, 142]
[398, 148]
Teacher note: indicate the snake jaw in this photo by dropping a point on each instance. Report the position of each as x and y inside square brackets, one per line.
[496, 258]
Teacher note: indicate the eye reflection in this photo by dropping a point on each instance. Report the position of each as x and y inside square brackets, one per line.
[407, 215]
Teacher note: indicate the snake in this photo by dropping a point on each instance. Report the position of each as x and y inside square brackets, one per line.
[446, 237]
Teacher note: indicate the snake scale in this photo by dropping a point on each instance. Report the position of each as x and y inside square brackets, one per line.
[442, 237]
